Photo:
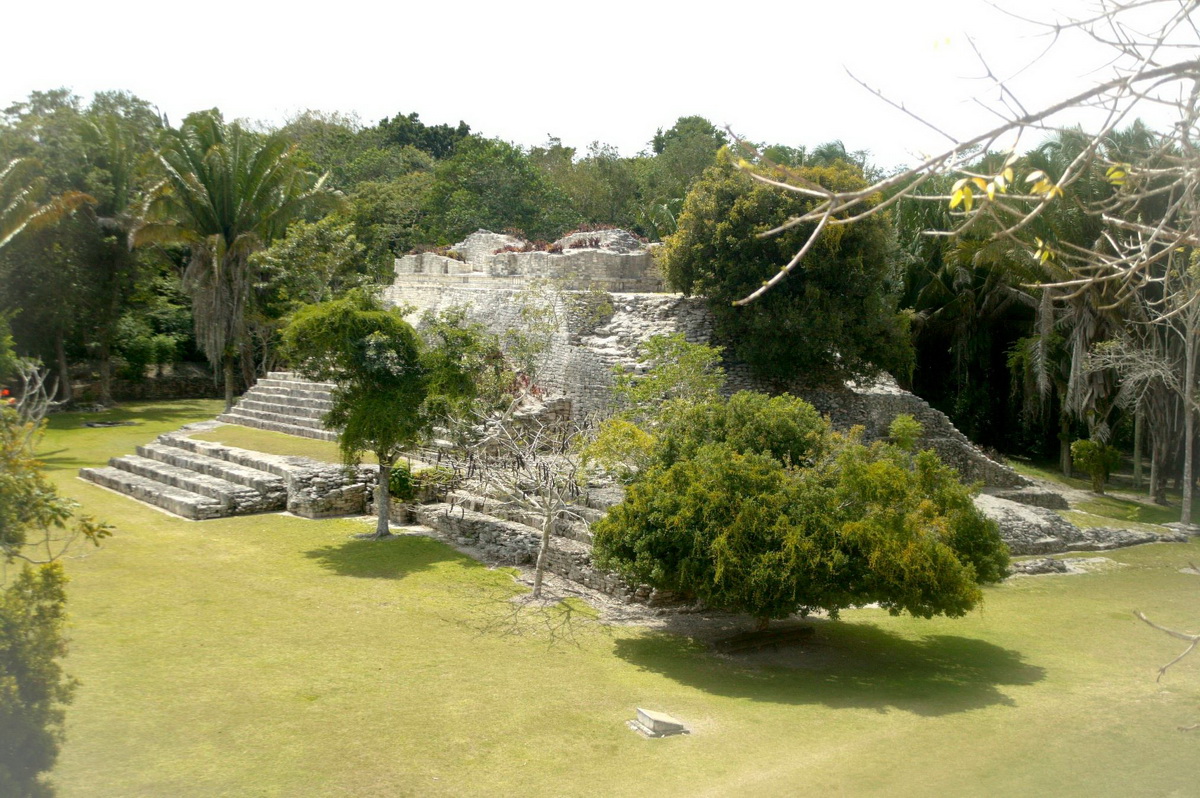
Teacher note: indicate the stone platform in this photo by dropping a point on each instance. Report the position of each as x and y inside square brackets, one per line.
[201, 480]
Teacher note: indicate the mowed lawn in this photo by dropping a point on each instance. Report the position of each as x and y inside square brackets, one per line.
[276, 656]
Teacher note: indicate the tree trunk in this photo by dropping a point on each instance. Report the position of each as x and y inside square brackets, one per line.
[65, 394]
[105, 374]
[228, 381]
[539, 569]
[1064, 445]
[1189, 425]
[383, 496]
[1139, 421]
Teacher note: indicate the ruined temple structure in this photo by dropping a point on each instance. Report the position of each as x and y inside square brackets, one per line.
[609, 298]
[598, 297]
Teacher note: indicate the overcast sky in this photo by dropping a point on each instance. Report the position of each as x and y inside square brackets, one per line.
[524, 70]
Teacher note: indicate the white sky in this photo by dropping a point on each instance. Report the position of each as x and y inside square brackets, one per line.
[525, 69]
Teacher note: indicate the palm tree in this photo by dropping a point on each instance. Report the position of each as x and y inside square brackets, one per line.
[228, 192]
[20, 191]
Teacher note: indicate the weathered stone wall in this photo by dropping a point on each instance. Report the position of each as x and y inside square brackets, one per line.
[516, 544]
[324, 491]
[619, 262]
[588, 344]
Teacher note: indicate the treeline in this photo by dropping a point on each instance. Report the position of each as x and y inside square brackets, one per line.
[76, 291]
[302, 213]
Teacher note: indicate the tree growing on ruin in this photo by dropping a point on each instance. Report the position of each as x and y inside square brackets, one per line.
[837, 318]
[374, 359]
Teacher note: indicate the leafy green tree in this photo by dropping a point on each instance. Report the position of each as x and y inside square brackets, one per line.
[440, 141]
[118, 134]
[681, 155]
[601, 187]
[227, 194]
[390, 218]
[1097, 459]
[314, 262]
[36, 526]
[351, 154]
[492, 184]
[466, 366]
[677, 376]
[675, 371]
[743, 531]
[374, 358]
[835, 319]
[77, 268]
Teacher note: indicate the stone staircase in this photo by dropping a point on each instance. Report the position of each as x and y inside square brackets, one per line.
[284, 402]
[200, 480]
[191, 483]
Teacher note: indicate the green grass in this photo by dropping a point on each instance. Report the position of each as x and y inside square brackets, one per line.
[274, 656]
[262, 440]
[1126, 510]
[1119, 503]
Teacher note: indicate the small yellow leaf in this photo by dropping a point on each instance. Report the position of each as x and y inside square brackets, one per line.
[1036, 176]
[1007, 174]
[968, 198]
[956, 198]
[991, 191]
[960, 183]
[979, 181]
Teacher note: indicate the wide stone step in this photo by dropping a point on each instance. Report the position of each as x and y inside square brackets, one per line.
[248, 476]
[288, 396]
[236, 499]
[314, 390]
[564, 527]
[275, 426]
[270, 464]
[176, 500]
[267, 405]
[292, 377]
[508, 541]
[282, 418]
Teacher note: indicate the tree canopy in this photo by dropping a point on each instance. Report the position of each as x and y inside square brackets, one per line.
[228, 192]
[374, 359]
[836, 318]
[731, 524]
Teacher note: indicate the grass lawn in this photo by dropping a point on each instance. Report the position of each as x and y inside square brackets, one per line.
[1119, 503]
[275, 656]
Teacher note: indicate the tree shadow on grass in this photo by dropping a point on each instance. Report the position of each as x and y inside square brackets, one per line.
[846, 666]
[390, 558]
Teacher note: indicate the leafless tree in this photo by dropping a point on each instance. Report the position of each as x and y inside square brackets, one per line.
[1193, 640]
[1141, 257]
[530, 468]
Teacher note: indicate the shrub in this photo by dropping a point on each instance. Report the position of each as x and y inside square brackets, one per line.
[1097, 459]
[788, 517]
[400, 483]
